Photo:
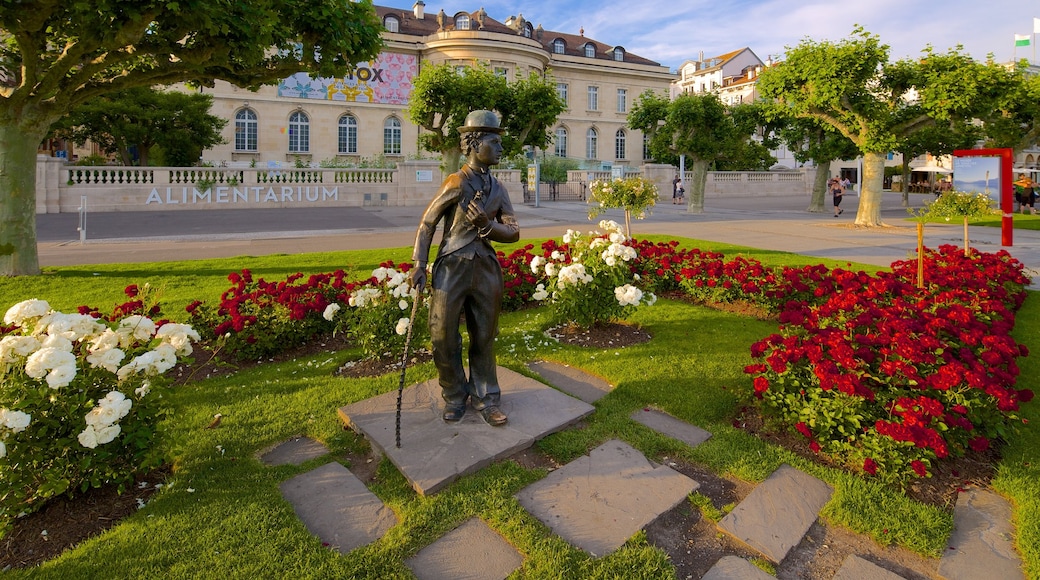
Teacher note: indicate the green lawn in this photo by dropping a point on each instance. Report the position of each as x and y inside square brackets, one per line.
[223, 514]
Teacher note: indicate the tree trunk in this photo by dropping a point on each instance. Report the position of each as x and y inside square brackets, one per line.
[819, 188]
[18, 255]
[451, 160]
[869, 213]
[698, 179]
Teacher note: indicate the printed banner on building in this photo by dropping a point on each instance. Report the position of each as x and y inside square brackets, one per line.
[386, 80]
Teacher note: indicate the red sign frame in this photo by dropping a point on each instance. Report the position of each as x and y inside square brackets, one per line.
[1007, 201]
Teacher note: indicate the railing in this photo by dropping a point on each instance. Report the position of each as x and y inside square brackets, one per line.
[221, 176]
[106, 175]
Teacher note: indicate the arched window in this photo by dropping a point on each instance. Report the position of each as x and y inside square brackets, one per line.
[348, 134]
[392, 24]
[246, 130]
[559, 46]
[591, 142]
[590, 50]
[299, 133]
[619, 144]
[392, 136]
[561, 142]
[619, 54]
[462, 21]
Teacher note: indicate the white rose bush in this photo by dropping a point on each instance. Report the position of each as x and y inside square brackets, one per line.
[590, 279]
[79, 399]
[378, 310]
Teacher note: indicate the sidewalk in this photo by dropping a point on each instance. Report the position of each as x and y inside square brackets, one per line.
[775, 223]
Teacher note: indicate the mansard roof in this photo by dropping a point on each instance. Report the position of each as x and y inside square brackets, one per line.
[574, 43]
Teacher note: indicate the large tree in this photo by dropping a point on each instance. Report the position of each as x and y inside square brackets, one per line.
[140, 118]
[442, 96]
[55, 55]
[698, 126]
[1015, 121]
[810, 140]
[851, 86]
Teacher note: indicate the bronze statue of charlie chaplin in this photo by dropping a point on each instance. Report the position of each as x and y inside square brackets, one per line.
[467, 278]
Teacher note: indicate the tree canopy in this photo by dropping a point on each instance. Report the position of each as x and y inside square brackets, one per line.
[57, 55]
[851, 86]
[443, 95]
[698, 126]
[138, 119]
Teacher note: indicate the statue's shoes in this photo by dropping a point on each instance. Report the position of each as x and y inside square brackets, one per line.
[454, 414]
[493, 416]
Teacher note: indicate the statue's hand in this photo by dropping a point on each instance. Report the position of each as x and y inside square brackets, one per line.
[417, 276]
[476, 216]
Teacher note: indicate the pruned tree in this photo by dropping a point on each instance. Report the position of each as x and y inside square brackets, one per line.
[696, 125]
[140, 118]
[851, 86]
[442, 96]
[55, 56]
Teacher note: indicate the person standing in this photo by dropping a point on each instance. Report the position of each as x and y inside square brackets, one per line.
[677, 190]
[466, 276]
[1026, 193]
[837, 191]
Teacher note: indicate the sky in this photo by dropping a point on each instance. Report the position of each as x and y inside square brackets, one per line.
[674, 31]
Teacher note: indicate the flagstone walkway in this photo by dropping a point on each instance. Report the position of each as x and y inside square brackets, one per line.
[598, 501]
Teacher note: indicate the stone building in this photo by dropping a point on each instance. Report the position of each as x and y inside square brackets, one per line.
[364, 115]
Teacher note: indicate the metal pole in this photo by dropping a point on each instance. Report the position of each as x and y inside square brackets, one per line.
[82, 219]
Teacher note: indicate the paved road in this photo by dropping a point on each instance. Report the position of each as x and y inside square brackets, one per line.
[780, 223]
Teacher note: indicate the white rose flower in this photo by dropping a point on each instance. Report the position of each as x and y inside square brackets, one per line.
[56, 342]
[536, 262]
[567, 237]
[13, 348]
[540, 293]
[26, 310]
[402, 326]
[107, 434]
[47, 359]
[144, 389]
[550, 269]
[396, 278]
[380, 274]
[137, 326]
[61, 375]
[74, 327]
[106, 340]
[88, 438]
[556, 255]
[107, 359]
[179, 336]
[403, 305]
[16, 421]
[628, 295]
[330, 311]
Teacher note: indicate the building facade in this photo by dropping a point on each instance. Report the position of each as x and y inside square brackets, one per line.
[364, 115]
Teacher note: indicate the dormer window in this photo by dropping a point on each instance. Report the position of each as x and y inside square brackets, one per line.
[462, 21]
[528, 30]
[619, 54]
[590, 50]
[392, 24]
[559, 46]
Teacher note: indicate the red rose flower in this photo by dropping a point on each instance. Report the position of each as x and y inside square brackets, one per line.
[803, 429]
[869, 466]
[919, 468]
[815, 447]
[979, 444]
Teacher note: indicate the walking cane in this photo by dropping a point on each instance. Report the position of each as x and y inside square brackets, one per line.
[404, 363]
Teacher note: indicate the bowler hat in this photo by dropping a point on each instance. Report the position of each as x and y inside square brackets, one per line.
[481, 121]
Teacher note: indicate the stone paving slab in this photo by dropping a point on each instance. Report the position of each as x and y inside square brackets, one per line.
[981, 545]
[856, 568]
[434, 453]
[337, 507]
[735, 568]
[775, 516]
[472, 551]
[667, 425]
[572, 381]
[598, 501]
[295, 451]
